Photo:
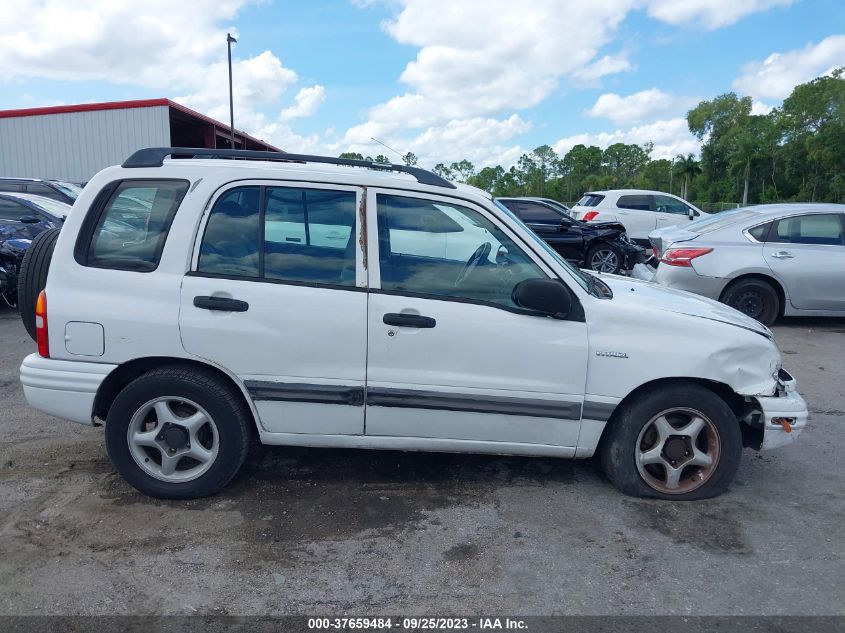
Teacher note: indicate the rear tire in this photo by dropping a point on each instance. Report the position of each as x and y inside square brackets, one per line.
[605, 258]
[178, 432]
[33, 275]
[642, 460]
[755, 298]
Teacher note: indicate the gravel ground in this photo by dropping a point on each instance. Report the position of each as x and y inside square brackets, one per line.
[327, 531]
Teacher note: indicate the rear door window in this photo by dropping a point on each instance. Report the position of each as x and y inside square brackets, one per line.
[136, 246]
[639, 202]
[530, 212]
[283, 234]
[818, 228]
[667, 204]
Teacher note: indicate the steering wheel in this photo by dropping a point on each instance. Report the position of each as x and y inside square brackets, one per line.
[474, 260]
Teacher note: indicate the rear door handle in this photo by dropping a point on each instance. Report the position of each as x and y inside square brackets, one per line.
[222, 304]
[783, 255]
[408, 320]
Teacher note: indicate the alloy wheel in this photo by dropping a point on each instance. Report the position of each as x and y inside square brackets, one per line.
[605, 261]
[677, 451]
[173, 439]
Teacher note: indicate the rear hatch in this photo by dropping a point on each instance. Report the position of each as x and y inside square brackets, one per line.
[588, 202]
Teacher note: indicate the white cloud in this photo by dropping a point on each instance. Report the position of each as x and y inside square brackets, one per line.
[169, 47]
[479, 63]
[607, 65]
[305, 104]
[710, 14]
[511, 58]
[779, 73]
[638, 106]
[669, 136]
[481, 140]
[758, 107]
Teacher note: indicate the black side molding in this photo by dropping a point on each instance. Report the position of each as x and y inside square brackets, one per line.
[302, 392]
[154, 157]
[471, 403]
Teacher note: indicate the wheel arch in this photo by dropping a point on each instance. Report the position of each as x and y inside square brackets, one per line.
[769, 279]
[125, 373]
[736, 402]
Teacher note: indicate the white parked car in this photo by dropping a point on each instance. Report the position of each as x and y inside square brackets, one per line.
[279, 299]
[639, 210]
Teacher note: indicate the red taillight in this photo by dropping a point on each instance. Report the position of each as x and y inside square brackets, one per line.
[589, 215]
[683, 256]
[41, 325]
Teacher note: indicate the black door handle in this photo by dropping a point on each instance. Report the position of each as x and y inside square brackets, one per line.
[408, 320]
[222, 304]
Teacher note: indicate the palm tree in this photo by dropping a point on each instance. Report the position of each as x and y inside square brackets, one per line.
[687, 167]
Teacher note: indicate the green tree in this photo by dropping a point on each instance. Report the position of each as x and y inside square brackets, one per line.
[410, 159]
[381, 158]
[488, 179]
[443, 171]
[352, 156]
[462, 169]
[686, 167]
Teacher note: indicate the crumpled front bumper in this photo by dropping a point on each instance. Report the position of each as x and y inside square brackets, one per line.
[787, 406]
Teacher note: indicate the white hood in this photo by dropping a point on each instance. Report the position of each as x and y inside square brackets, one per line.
[627, 290]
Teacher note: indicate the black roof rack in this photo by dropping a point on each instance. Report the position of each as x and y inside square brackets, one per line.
[154, 157]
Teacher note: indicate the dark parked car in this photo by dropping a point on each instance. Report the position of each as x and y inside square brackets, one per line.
[549, 201]
[601, 246]
[24, 215]
[60, 190]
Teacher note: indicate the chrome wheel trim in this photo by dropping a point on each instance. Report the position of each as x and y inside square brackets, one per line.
[153, 429]
[604, 260]
[677, 451]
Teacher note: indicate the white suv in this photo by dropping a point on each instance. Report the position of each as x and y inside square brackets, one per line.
[281, 299]
[639, 210]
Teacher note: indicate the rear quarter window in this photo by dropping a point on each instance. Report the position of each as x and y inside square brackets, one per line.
[128, 224]
[590, 200]
[639, 202]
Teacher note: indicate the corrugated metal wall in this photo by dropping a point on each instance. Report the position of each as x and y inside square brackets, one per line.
[76, 145]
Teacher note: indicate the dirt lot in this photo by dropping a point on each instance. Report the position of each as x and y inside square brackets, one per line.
[326, 531]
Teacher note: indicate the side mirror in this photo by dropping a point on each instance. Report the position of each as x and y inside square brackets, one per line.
[547, 296]
[692, 214]
[29, 219]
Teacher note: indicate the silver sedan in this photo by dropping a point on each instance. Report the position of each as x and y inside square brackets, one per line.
[766, 261]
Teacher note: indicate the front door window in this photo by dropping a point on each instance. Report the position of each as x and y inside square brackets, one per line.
[430, 247]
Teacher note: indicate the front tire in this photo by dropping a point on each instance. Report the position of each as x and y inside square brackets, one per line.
[680, 442]
[605, 258]
[178, 432]
[755, 298]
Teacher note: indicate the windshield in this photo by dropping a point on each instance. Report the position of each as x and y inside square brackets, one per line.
[69, 188]
[720, 220]
[579, 277]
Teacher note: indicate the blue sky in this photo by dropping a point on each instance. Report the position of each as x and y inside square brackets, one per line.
[483, 80]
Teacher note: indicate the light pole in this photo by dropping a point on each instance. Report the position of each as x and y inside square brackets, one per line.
[229, 41]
